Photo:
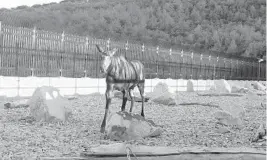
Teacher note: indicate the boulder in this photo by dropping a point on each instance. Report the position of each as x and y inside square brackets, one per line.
[260, 133]
[190, 86]
[127, 126]
[225, 118]
[236, 89]
[222, 86]
[160, 88]
[165, 99]
[258, 86]
[46, 104]
[161, 95]
[248, 85]
[21, 103]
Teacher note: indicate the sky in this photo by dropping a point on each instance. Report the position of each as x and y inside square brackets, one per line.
[15, 3]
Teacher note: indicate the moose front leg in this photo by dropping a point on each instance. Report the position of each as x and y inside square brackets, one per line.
[132, 99]
[124, 100]
[108, 101]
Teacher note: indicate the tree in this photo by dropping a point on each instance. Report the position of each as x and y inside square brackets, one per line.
[232, 47]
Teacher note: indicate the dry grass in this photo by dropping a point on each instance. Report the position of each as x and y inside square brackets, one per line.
[184, 125]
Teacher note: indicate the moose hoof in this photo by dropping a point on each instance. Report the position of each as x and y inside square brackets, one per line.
[102, 130]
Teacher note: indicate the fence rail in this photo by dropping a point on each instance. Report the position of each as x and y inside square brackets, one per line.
[31, 52]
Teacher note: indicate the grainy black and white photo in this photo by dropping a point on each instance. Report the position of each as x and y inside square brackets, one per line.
[133, 79]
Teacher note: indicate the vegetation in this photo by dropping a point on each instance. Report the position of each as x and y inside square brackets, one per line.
[224, 27]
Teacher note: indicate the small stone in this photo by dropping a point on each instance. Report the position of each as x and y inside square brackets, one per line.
[222, 130]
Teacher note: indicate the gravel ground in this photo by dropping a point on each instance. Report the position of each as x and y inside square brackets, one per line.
[190, 123]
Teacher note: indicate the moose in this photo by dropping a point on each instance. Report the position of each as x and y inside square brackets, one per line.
[121, 75]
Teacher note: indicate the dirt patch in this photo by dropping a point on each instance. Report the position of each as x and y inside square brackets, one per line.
[184, 125]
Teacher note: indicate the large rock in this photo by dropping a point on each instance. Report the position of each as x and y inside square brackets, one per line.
[227, 119]
[237, 87]
[222, 86]
[248, 85]
[190, 86]
[46, 104]
[161, 95]
[165, 99]
[125, 126]
[258, 86]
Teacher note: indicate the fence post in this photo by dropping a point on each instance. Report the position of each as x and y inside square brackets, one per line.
[170, 63]
[1, 46]
[192, 56]
[214, 71]
[241, 72]
[230, 69]
[201, 58]
[236, 67]
[157, 60]
[108, 44]
[74, 61]
[142, 56]
[47, 61]
[209, 68]
[182, 64]
[259, 70]
[33, 48]
[17, 59]
[143, 50]
[126, 49]
[85, 58]
[62, 51]
[224, 68]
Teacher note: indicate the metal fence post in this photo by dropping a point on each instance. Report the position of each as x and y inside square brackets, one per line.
[192, 56]
[61, 54]
[181, 64]
[108, 44]
[126, 49]
[1, 46]
[74, 62]
[143, 50]
[17, 59]
[224, 70]
[200, 66]
[210, 68]
[34, 49]
[47, 62]
[237, 69]
[230, 69]
[259, 70]
[170, 63]
[157, 60]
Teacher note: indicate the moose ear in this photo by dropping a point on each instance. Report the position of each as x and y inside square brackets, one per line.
[100, 49]
[114, 51]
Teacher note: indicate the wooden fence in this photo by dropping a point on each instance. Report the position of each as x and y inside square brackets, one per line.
[31, 52]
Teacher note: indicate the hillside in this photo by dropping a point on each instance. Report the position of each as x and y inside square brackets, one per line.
[224, 27]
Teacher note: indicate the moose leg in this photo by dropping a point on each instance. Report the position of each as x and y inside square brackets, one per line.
[132, 99]
[141, 88]
[108, 101]
[124, 100]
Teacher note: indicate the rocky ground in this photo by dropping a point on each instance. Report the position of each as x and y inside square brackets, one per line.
[193, 122]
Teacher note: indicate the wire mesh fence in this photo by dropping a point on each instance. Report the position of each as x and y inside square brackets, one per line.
[31, 52]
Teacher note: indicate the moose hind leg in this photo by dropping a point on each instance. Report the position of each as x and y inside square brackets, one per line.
[132, 99]
[141, 88]
[108, 101]
[124, 100]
